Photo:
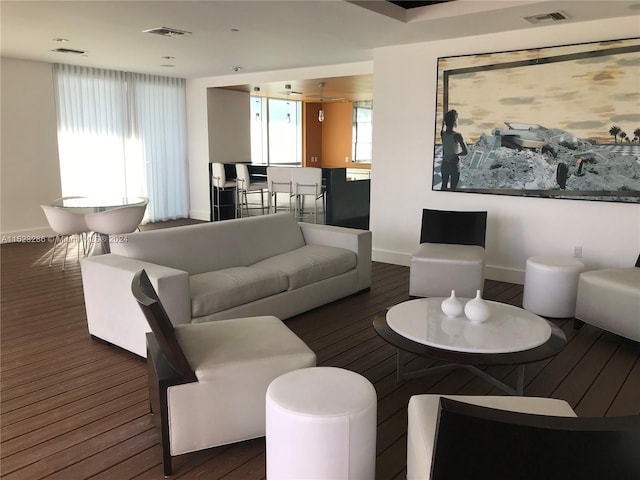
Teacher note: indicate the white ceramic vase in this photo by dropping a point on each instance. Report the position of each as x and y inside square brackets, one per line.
[477, 310]
[452, 307]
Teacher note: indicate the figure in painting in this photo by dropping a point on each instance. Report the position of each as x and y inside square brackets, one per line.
[452, 147]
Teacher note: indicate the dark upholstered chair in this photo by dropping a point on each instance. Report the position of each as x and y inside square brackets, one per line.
[208, 381]
[451, 254]
[517, 437]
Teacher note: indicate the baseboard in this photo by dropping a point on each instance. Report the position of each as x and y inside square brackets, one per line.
[200, 215]
[491, 272]
[504, 274]
[394, 258]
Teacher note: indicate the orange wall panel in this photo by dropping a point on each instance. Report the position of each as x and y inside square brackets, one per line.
[336, 134]
[312, 136]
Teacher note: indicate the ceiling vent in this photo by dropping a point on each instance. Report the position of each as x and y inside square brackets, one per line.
[546, 17]
[167, 32]
[70, 51]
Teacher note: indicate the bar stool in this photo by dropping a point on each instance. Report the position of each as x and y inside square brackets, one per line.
[220, 186]
[279, 180]
[307, 182]
[244, 186]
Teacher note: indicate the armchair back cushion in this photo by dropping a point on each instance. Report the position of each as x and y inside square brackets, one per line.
[160, 324]
[453, 227]
[507, 444]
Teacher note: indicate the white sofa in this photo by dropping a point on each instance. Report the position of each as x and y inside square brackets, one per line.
[263, 265]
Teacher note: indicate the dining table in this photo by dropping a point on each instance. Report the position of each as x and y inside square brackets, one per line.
[96, 204]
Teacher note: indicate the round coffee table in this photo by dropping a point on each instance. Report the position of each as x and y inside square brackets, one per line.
[511, 336]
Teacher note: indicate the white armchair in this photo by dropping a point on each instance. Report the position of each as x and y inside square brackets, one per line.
[208, 381]
[610, 299]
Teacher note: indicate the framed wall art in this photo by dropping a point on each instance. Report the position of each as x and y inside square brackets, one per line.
[556, 122]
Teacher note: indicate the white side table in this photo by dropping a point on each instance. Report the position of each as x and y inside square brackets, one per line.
[551, 286]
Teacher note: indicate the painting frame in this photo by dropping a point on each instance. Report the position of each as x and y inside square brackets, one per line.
[547, 122]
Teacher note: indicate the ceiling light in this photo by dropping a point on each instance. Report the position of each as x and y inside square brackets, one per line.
[236, 68]
[61, 40]
[546, 17]
[321, 111]
[70, 51]
[168, 57]
[167, 32]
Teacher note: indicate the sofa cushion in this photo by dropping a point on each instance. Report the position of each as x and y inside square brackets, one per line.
[211, 246]
[310, 264]
[222, 289]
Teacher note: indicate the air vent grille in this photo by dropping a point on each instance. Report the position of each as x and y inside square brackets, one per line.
[546, 17]
[70, 51]
[167, 32]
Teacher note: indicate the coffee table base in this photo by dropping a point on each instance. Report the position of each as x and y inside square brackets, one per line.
[404, 374]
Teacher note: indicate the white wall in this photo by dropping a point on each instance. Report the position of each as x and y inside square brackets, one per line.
[229, 128]
[404, 101]
[30, 171]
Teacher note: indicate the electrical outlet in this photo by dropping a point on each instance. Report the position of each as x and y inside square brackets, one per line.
[346, 159]
[577, 251]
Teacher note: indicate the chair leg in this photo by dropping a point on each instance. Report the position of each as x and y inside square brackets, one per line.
[53, 250]
[315, 209]
[66, 249]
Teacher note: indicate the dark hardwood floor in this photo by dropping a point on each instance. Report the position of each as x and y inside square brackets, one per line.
[76, 408]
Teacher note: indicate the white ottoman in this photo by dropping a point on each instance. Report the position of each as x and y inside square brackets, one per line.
[321, 424]
[551, 286]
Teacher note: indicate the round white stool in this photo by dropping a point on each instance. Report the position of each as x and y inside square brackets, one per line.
[321, 424]
[551, 286]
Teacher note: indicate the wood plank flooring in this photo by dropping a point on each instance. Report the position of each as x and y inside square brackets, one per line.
[76, 408]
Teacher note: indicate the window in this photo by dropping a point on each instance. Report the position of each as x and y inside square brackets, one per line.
[362, 131]
[276, 131]
[123, 134]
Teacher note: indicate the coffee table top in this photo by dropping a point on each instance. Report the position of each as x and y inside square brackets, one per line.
[551, 347]
[509, 328]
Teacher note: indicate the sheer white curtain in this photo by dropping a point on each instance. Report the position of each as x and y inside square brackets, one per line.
[123, 134]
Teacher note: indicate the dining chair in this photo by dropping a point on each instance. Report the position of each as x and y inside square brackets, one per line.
[245, 186]
[67, 224]
[451, 254]
[307, 182]
[528, 438]
[221, 185]
[115, 221]
[208, 381]
[279, 180]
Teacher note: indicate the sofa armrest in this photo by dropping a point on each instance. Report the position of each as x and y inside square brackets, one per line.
[113, 314]
[358, 241]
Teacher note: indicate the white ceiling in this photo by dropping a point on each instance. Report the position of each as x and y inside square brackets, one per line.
[259, 35]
